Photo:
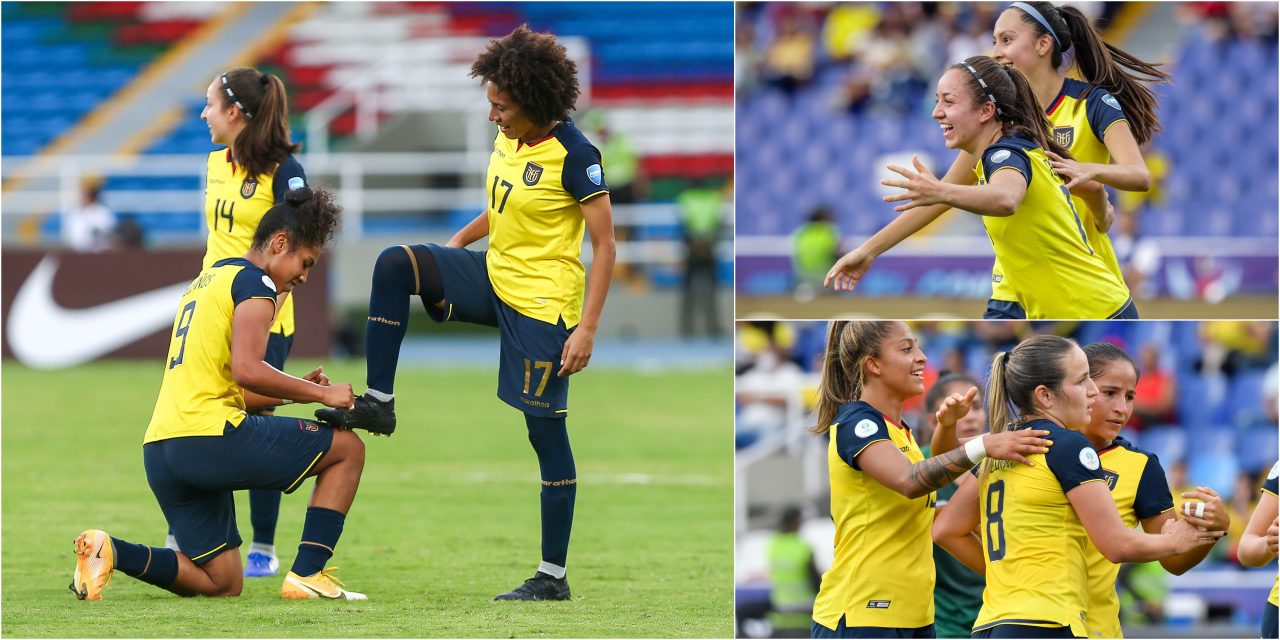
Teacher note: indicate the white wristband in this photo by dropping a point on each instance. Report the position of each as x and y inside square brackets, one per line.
[976, 449]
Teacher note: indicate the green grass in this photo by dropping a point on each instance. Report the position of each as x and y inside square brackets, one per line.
[446, 516]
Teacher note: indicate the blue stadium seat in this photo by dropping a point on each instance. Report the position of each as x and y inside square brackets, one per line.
[1218, 470]
[1256, 447]
[1169, 442]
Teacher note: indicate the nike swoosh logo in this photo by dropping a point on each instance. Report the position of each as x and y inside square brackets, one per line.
[44, 335]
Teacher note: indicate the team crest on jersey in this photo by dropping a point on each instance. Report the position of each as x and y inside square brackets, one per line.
[1111, 477]
[1064, 136]
[248, 187]
[532, 173]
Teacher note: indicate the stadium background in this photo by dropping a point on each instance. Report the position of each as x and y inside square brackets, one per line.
[110, 94]
[828, 94]
[1208, 398]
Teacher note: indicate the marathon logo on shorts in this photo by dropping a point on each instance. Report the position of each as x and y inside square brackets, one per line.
[1064, 136]
[878, 604]
[248, 187]
[532, 173]
[303, 425]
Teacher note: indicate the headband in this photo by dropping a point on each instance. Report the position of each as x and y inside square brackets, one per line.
[231, 94]
[983, 83]
[1031, 11]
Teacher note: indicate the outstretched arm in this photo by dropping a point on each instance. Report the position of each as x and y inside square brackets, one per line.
[892, 469]
[850, 268]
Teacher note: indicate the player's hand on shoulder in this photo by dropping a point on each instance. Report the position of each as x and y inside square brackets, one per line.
[339, 396]
[576, 353]
[1216, 516]
[848, 270]
[955, 407]
[1017, 445]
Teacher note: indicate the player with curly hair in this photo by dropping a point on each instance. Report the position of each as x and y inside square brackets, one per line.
[545, 184]
[203, 443]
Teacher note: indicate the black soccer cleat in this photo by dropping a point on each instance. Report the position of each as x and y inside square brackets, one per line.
[540, 587]
[372, 415]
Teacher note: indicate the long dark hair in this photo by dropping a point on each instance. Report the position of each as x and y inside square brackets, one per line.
[849, 343]
[265, 140]
[1121, 73]
[1016, 106]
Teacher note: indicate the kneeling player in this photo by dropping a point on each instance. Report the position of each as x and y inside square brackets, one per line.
[201, 445]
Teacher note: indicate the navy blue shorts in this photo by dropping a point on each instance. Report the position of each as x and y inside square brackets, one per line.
[818, 631]
[1270, 624]
[193, 477]
[1023, 631]
[530, 348]
[278, 348]
[1005, 310]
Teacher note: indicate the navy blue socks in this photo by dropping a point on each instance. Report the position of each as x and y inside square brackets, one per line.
[320, 533]
[152, 565]
[550, 439]
[264, 511]
[393, 283]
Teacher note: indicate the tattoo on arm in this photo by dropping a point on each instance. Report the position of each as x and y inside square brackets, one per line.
[939, 471]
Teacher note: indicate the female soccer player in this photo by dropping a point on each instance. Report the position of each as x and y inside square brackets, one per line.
[1258, 545]
[201, 444]
[1138, 486]
[247, 112]
[1105, 118]
[881, 582]
[545, 183]
[1035, 517]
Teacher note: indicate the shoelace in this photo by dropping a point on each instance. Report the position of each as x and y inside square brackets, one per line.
[331, 574]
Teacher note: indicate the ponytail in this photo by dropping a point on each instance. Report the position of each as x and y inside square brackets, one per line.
[1017, 108]
[849, 344]
[1119, 72]
[265, 140]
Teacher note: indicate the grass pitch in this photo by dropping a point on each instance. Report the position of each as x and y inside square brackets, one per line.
[446, 517]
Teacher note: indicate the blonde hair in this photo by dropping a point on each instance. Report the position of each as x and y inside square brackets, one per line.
[849, 343]
[1016, 374]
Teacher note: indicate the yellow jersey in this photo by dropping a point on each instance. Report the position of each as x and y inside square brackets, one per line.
[883, 573]
[1140, 491]
[234, 204]
[198, 396]
[1269, 486]
[1032, 540]
[1080, 117]
[535, 221]
[1042, 248]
